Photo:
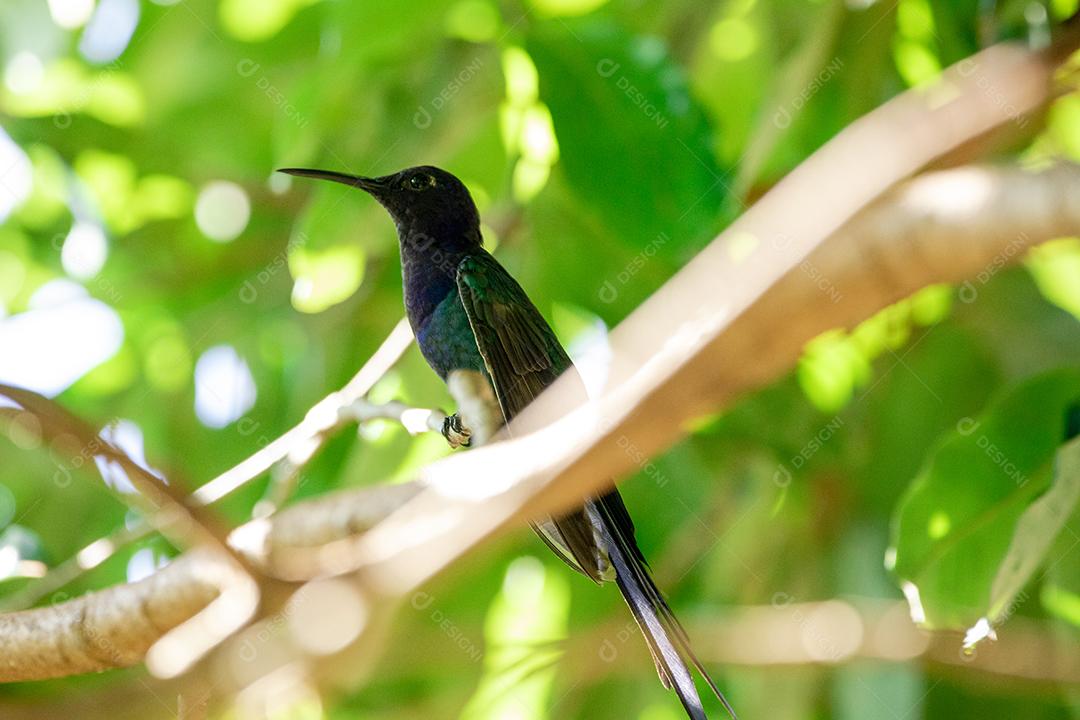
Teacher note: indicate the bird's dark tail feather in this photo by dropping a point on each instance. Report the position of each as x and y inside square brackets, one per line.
[667, 641]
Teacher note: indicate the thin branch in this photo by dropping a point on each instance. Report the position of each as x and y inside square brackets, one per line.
[319, 420]
[837, 631]
[74, 567]
[414, 420]
[283, 453]
[286, 473]
[161, 503]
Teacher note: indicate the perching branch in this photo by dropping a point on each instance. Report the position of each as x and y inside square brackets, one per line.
[339, 411]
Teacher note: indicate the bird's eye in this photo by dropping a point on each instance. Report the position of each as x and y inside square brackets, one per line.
[420, 181]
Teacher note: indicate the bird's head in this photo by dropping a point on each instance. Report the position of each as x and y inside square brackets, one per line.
[426, 203]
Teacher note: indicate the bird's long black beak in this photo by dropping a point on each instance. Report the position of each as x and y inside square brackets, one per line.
[371, 185]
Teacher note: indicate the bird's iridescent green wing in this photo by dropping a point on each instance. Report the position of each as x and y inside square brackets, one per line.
[523, 356]
[519, 348]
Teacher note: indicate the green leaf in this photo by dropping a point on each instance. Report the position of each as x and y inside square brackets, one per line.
[256, 21]
[979, 519]
[1061, 602]
[1060, 591]
[325, 278]
[633, 143]
[531, 611]
[1037, 528]
[1055, 266]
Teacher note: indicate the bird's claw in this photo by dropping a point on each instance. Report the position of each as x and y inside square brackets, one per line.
[455, 433]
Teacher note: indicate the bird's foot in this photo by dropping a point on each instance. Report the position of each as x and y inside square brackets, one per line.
[455, 433]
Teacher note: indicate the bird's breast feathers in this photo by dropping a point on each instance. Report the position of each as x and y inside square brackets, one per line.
[446, 339]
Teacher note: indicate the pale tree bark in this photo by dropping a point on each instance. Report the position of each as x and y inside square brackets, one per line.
[110, 628]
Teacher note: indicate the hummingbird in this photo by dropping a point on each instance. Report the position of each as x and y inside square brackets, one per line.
[469, 315]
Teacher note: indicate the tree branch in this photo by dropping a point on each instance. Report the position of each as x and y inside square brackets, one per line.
[1003, 206]
[837, 631]
[110, 628]
[689, 349]
[285, 456]
[311, 433]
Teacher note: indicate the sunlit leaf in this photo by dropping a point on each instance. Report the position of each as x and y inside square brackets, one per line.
[68, 87]
[473, 20]
[830, 369]
[255, 20]
[48, 197]
[160, 197]
[566, 8]
[976, 506]
[917, 63]
[1036, 529]
[325, 277]
[530, 611]
[166, 358]
[1056, 268]
[111, 179]
[1063, 125]
[115, 374]
[1062, 602]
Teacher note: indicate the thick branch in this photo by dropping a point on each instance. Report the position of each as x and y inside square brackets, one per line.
[110, 628]
[116, 626]
[948, 226]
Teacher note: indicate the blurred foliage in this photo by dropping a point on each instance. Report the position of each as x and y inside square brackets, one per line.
[159, 279]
